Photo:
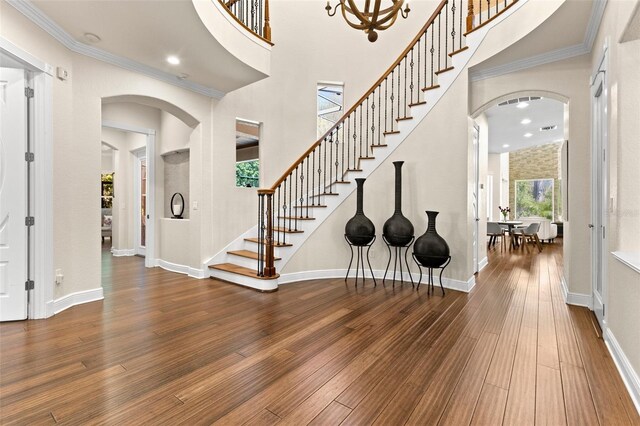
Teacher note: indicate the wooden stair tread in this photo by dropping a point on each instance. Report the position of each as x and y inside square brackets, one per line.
[248, 254]
[417, 103]
[241, 270]
[366, 158]
[435, 86]
[287, 230]
[342, 181]
[353, 170]
[404, 118]
[296, 218]
[443, 70]
[455, 52]
[310, 206]
[275, 243]
[379, 146]
[393, 132]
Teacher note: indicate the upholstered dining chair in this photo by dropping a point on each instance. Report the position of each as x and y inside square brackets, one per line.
[495, 231]
[528, 234]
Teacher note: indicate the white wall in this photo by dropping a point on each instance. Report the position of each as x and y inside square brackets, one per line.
[76, 143]
[622, 300]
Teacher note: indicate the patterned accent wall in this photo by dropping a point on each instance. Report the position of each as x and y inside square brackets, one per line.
[176, 179]
[538, 162]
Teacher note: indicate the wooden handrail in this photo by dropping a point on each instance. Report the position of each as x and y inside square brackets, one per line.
[266, 28]
[424, 28]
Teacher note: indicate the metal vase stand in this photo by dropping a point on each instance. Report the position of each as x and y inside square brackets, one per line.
[430, 273]
[398, 260]
[360, 260]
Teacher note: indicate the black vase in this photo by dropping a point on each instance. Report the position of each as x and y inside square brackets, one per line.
[359, 230]
[398, 230]
[431, 250]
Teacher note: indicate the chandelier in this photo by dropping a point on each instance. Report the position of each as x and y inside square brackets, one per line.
[373, 17]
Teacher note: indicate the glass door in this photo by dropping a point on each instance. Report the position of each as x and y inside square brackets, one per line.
[140, 201]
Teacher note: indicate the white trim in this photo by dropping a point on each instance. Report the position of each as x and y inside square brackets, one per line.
[77, 298]
[629, 375]
[484, 262]
[630, 259]
[450, 283]
[39, 18]
[597, 12]
[127, 127]
[32, 63]
[123, 252]
[577, 299]
[181, 269]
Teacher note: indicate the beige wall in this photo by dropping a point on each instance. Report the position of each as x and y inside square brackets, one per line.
[622, 299]
[498, 167]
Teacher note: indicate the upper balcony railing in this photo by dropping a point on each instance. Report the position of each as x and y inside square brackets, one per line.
[251, 14]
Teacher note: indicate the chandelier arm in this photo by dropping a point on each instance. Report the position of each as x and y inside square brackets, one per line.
[362, 17]
[363, 25]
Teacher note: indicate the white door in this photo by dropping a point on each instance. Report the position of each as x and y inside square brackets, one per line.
[140, 206]
[13, 198]
[599, 196]
[476, 197]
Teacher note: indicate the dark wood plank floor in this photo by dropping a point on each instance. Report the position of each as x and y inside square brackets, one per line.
[166, 349]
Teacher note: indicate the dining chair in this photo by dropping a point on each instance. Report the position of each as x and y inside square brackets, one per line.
[495, 231]
[528, 234]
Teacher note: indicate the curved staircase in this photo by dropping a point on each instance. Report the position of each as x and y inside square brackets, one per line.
[324, 176]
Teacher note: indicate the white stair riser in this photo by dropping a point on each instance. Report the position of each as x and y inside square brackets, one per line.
[245, 261]
[254, 283]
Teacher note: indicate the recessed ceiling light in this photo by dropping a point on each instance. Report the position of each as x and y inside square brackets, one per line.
[525, 121]
[173, 60]
[528, 135]
[91, 38]
[506, 145]
[522, 105]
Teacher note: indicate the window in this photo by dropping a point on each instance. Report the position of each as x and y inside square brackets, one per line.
[107, 191]
[247, 154]
[330, 103]
[534, 198]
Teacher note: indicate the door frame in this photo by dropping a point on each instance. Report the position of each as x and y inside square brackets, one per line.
[150, 258]
[476, 191]
[139, 155]
[41, 81]
[599, 196]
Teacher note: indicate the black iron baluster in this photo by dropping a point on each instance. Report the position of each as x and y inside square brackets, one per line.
[405, 85]
[367, 129]
[432, 52]
[439, 40]
[337, 144]
[295, 211]
[461, 30]
[386, 108]
[392, 98]
[446, 32]
[330, 163]
[360, 138]
[379, 111]
[489, 9]
[307, 191]
[290, 178]
[284, 211]
[355, 139]
[277, 212]
[418, 73]
[453, 27]
[411, 64]
[313, 177]
[348, 142]
[398, 66]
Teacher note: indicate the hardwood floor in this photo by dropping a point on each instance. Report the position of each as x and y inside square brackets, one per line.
[166, 349]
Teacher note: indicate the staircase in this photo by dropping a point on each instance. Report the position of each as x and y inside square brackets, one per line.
[324, 176]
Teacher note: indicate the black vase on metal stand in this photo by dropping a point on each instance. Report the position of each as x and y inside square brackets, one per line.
[431, 251]
[398, 230]
[360, 232]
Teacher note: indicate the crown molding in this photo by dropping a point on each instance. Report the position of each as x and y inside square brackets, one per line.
[39, 18]
[597, 12]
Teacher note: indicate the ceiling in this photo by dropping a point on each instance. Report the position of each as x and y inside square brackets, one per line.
[148, 32]
[506, 128]
[552, 35]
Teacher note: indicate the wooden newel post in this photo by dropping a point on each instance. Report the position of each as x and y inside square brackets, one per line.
[470, 16]
[267, 28]
[269, 267]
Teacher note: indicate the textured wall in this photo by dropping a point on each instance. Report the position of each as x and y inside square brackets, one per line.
[176, 179]
[539, 162]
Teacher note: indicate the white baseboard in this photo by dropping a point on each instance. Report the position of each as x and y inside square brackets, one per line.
[123, 252]
[484, 262]
[464, 286]
[576, 299]
[181, 269]
[73, 299]
[629, 375]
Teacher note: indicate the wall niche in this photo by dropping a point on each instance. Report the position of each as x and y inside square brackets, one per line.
[176, 179]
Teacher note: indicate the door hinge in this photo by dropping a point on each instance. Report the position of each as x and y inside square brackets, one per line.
[29, 221]
[29, 285]
[604, 232]
[29, 157]
[603, 305]
[28, 92]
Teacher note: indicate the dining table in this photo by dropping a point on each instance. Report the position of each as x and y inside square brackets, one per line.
[511, 224]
